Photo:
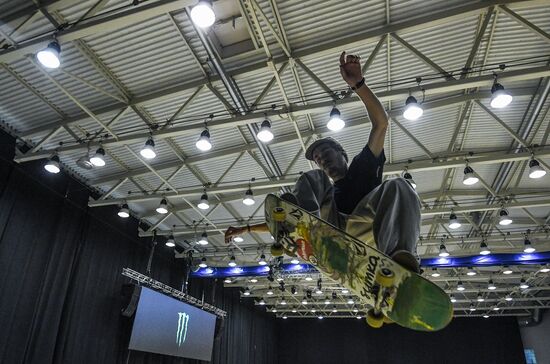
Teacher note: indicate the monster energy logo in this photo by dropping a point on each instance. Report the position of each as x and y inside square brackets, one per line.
[181, 334]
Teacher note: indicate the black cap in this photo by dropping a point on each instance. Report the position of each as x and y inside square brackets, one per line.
[328, 140]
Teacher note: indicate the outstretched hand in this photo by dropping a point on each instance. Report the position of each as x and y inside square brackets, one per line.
[350, 68]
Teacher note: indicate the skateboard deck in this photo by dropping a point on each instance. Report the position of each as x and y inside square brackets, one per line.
[383, 285]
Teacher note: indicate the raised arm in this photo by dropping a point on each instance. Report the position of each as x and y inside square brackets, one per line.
[233, 231]
[350, 68]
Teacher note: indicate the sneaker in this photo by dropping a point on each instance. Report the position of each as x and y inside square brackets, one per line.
[406, 260]
[289, 197]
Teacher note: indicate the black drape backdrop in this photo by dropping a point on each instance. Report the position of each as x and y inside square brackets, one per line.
[60, 269]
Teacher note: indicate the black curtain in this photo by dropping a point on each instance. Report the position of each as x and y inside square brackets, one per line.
[343, 341]
[60, 269]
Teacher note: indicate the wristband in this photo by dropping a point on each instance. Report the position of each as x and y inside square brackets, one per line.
[359, 84]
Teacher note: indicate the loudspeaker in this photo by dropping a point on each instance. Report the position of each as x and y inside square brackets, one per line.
[220, 322]
[130, 298]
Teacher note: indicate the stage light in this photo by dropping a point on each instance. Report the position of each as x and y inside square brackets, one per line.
[485, 316]
[500, 98]
[469, 177]
[435, 273]
[504, 218]
[232, 262]
[308, 278]
[294, 261]
[453, 221]
[506, 270]
[350, 301]
[480, 298]
[443, 251]
[523, 284]
[294, 310]
[508, 298]
[313, 310]
[248, 199]
[491, 286]
[203, 204]
[283, 302]
[471, 272]
[452, 297]
[412, 110]
[170, 242]
[262, 260]
[535, 170]
[345, 291]
[124, 211]
[148, 150]
[484, 249]
[262, 302]
[335, 123]
[202, 14]
[545, 269]
[284, 317]
[304, 301]
[49, 57]
[228, 280]
[334, 309]
[238, 239]
[265, 134]
[204, 239]
[253, 280]
[52, 165]
[203, 144]
[269, 291]
[163, 207]
[203, 264]
[527, 247]
[472, 307]
[327, 301]
[98, 159]
[496, 308]
[460, 286]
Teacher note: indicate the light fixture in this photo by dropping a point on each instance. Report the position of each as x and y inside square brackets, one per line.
[412, 110]
[262, 302]
[313, 310]
[471, 272]
[318, 291]
[227, 280]
[285, 317]
[203, 264]
[203, 144]
[535, 170]
[460, 286]
[504, 219]
[253, 280]
[453, 221]
[283, 302]
[506, 270]
[443, 251]
[335, 123]
[203, 203]
[545, 268]
[409, 178]
[523, 284]
[472, 307]
[500, 97]
[294, 310]
[98, 159]
[49, 56]
[435, 273]
[232, 262]
[163, 207]
[355, 310]
[294, 261]
[238, 239]
[265, 134]
[262, 260]
[148, 150]
[469, 177]
[527, 247]
[508, 298]
[334, 309]
[358, 317]
[204, 239]
[496, 308]
[327, 301]
[280, 279]
[491, 286]
[350, 301]
[124, 211]
[248, 198]
[485, 316]
[452, 297]
[170, 242]
[308, 278]
[320, 317]
[484, 249]
[270, 291]
[202, 14]
[52, 165]
[304, 301]
[273, 310]
[480, 298]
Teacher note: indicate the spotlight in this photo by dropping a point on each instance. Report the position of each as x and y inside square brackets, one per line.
[355, 310]
[335, 123]
[203, 144]
[472, 307]
[246, 291]
[535, 170]
[435, 273]
[320, 317]
[345, 291]
[262, 260]
[318, 291]
[453, 221]
[265, 134]
[262, 302]
[285, 317]
[52, 165]
[506, 270]
[469, 177]
[460, 286]
[49, 56]
[409, 178]
[203, 264]
[294, 310]
[228, 280]
[273, 310]
[238, 239]
[471, 272]
[163, 207]
[504, 219]
[358, 317]
[527, 247]
[253, 280]
[148, 150]
[523, 284]
[485, 316]
[491, 286]
[98, 159]
[283, 302]
[304, 301]
[443, 251]
[508, 298]
[351, 301]
[232, 262]
[202, 14]
[294, 261]
[203, 203]
[313, 310]
[452, 297]
[500, 97]
[496, 308]
[308, 278]
[334, 309]
[480, 298]
[412, 109]
[545, 269]
[327, 301]
[124, 211]
[484, 249]
[204, 239]
[248, 198]
[170, 242]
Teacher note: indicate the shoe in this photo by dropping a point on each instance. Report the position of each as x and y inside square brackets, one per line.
[289, 197]
[406, 260]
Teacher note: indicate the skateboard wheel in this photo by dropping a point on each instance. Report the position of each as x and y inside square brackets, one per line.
[375, 320]
[279, 214]
[302, 230]
[384, 277]
[277, 250]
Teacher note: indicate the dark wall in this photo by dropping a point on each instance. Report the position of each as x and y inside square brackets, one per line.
[343, 341]
[60, 269]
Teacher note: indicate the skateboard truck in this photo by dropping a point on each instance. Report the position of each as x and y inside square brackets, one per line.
[381, 291]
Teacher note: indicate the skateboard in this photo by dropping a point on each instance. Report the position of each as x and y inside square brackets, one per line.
[391, 292]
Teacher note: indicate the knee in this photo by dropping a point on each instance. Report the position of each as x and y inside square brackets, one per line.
[399, 184]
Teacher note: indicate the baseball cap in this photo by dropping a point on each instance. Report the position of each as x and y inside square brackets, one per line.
[328, 140]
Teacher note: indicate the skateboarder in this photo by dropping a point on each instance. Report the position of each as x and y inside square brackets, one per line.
[385, 215]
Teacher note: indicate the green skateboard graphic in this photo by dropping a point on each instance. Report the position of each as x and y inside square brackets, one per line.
[391, 291]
